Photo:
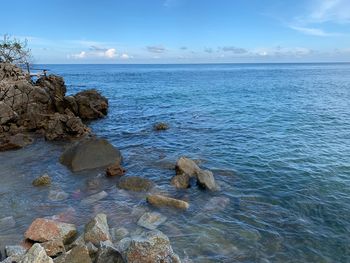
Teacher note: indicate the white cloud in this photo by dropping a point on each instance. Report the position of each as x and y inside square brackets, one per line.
[110, 53]
[124, 56]
[337, 11]
[312, 31]
[82, 54]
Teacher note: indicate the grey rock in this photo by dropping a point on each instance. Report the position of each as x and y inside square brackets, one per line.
[57, 195]
[108, 254]
[187, 166]
[15, 251]
[36, 254]
[89, 154]
[97, 230]
[151, 220]
[78, 254]
[119, 233]
[135, 183]
[7, 222]
[94, 198]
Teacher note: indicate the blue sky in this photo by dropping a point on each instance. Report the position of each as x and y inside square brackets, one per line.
[181, 31]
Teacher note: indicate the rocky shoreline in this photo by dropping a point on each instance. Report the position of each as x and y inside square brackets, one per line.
[42, 108]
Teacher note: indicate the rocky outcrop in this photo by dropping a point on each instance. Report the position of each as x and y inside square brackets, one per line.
[90, 153]
[43, 106]
[14, 142]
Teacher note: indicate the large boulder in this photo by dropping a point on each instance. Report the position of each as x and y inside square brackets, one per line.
[91, 105]
[43, 230]
[150, 247]
[187, 166]
[89, 154]
[206, 180]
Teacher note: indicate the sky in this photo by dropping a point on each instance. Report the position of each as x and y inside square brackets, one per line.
[180, 31]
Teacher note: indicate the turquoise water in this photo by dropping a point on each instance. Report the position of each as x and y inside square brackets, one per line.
[276, 136]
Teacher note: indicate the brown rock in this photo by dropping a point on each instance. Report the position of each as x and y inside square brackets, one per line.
[206, 180]
[135, 183]
[160, 200]
[161, 126]
[115, 170]
[78, 254]
[43, 230]
[42, 180]
[187, 166]
[15, 142]
[91, 105]
[181, 181]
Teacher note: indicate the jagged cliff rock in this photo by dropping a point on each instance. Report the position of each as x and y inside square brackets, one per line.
[42, 106]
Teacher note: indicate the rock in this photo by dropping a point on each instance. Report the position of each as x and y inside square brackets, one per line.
[151, 220]
[161, 126]
[36, 254]
[6, 113]
[108, 254]
[15, 142]
[135, 183]
[54, 247]
[181, 181]
[91, 105]
[78, 254]
[7, 222]
[43, 230]
[160, 200]
[57, 195]
[15, 251]
[217, 203]
[43, 180]
[187, 166]
[151, 247]
[205, 178]
[89, 154]
[94, 198]
[115, 170]
[97, 230]
[119, 233]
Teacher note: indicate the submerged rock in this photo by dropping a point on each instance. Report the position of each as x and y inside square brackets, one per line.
[7, 222]
[115, 170]
[217, 203]
[135, 183]
[181, 181]
[43, 180]
[94, 198]
[36, 254]
[15, 142]
[97, 230]
[89, 154]
[151, 220]
[57, 195]
[150, 247]
[43, 230]
[160, 200]
[161, 126]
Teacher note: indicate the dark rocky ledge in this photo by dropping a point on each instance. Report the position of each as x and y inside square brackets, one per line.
[43, 107]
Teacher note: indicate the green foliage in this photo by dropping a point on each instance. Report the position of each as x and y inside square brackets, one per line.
[13, 50]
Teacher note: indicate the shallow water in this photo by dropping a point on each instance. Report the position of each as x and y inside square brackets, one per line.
[276, 136]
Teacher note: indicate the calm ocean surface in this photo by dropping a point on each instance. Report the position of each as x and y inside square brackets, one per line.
[276, 136]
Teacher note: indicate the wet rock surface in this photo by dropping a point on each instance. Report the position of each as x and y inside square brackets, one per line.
[42, 180]
[43, 106]
[164, 201]
[135, 183]
[90, 153]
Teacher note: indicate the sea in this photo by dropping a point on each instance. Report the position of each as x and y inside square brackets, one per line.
[276, 137]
